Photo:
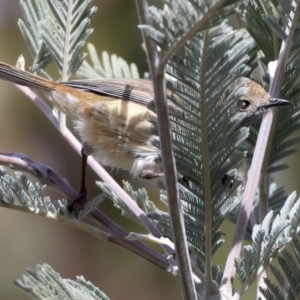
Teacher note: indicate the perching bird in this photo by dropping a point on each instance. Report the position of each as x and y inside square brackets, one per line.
[113, 120]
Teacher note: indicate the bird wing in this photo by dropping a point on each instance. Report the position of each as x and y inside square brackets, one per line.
[137, 90]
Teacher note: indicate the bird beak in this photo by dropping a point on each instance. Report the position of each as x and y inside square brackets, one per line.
[276, 102]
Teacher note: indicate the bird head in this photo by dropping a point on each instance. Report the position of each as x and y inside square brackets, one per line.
[255, 101]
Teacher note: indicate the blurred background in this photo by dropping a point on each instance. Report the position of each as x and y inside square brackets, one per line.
[27, 240]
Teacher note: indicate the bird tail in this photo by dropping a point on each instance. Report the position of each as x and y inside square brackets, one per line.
[18, 76]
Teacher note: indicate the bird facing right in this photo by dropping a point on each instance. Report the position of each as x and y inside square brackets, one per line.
[113, 118]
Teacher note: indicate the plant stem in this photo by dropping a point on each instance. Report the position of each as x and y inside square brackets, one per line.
[110, 231]
[261, 154]
[168, 159]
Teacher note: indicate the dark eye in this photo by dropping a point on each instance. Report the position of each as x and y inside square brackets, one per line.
[243, 104]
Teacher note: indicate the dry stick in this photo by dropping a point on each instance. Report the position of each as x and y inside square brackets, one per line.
[175, 209]
[99, 170]
[274, 91]
[168, 159]
[116, 234]
[264, 140]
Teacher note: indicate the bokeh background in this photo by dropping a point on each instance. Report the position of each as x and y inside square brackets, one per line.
[26, 240]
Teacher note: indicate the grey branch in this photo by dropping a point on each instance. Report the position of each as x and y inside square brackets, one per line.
[168, 158]
[48, 176]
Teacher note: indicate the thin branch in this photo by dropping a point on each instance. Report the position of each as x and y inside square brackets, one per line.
[276, 84]
[168, 159]
[261, 152]
[175, 208]
[115, 234]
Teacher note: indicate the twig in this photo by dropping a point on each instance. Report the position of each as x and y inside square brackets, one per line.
[116, 235]
[261, 153]
[168, 159]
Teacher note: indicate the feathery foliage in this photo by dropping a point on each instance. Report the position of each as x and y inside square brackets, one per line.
[204, 80]
[20, 191]
[287, 285]
[44, 281]
[21, 194]
[34, 13]
[51, 32]
[266, 21]
[267, 239]
[277, 200]
[195, 16]
[66, 33]
[185, 71]
[108, 67]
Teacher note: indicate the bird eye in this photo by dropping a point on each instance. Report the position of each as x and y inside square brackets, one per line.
[243, 104]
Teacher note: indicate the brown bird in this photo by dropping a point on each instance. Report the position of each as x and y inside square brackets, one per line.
[112, 118]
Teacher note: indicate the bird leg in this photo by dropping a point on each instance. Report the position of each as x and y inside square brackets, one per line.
[83, 191]
[149, 176]
[84, 157]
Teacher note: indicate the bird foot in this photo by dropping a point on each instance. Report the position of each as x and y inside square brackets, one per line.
[81, 196]
[150, 176]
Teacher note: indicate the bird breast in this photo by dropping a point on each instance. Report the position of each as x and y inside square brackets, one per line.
[120, 134]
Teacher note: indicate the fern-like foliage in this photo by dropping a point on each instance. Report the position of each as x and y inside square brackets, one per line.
[111, 66]
[34, 12]
[277, 198]
[45, 283]
[205, 73]
[268, 239]
[168, 27]
[140, 196]
[66, 32]
[288, 284]
[20, 191]
[223, 138]
[55, 30]
[186, 70]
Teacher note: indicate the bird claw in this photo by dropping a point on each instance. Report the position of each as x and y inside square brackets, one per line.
[81, 196]
[150, 176]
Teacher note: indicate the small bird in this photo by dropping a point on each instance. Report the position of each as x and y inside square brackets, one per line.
[113, 119]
